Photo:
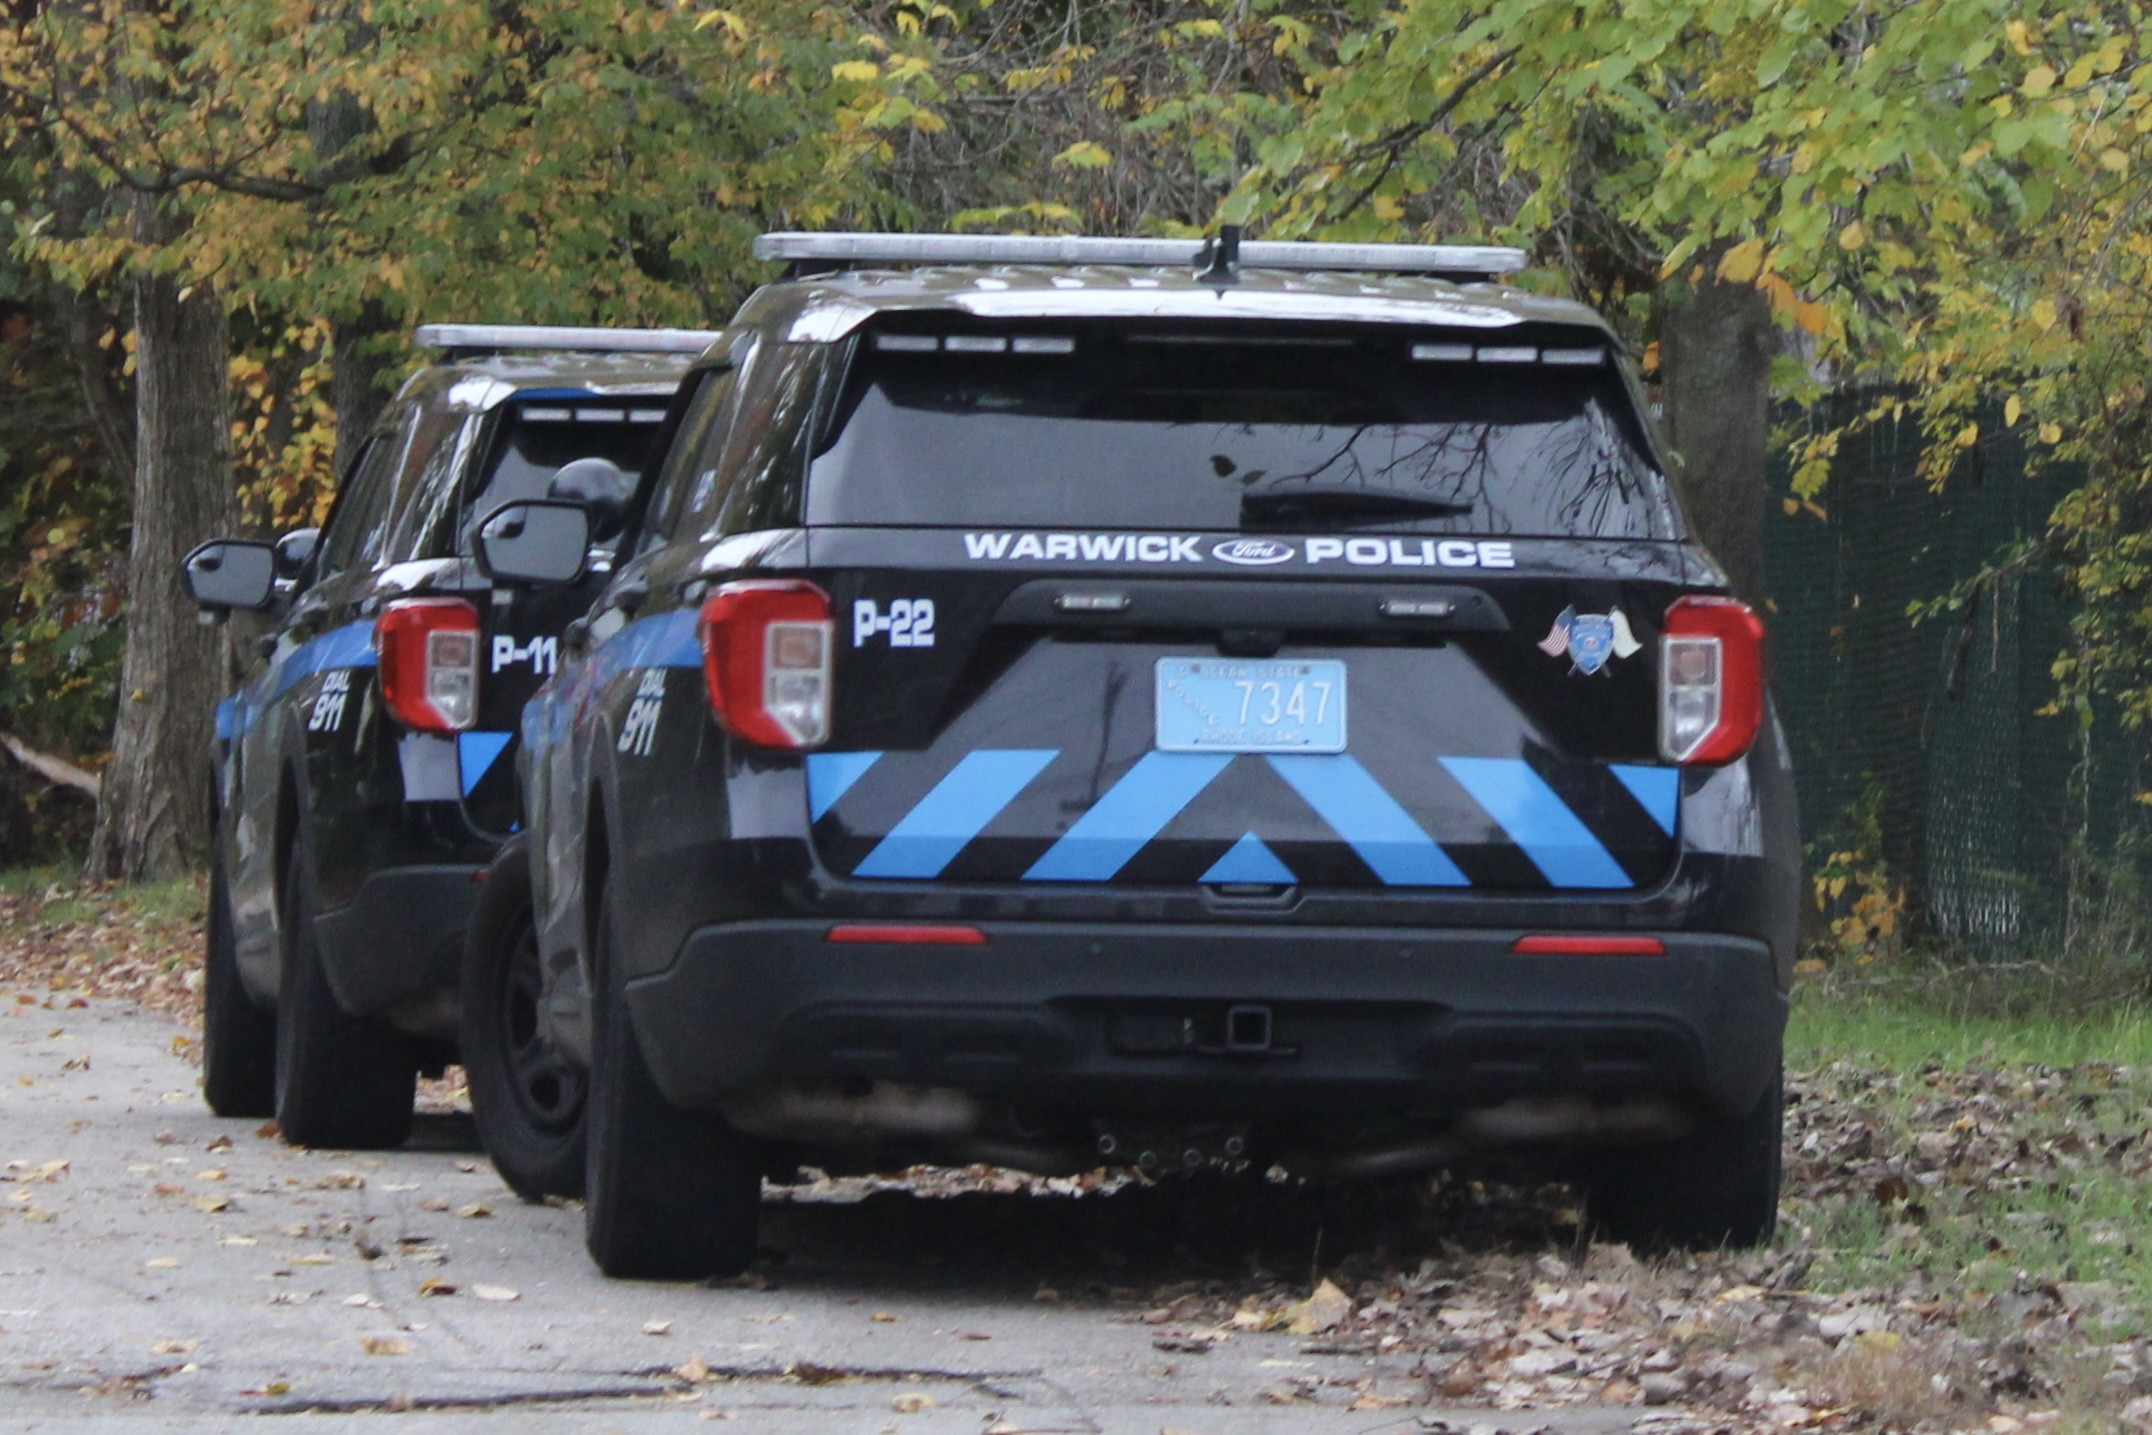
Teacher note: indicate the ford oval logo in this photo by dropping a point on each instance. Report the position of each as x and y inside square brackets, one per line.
[1253, 552]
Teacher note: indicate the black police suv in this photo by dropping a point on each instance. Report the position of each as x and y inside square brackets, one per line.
[364, 772]
[1076, 699]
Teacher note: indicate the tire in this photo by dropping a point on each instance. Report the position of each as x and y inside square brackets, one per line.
[669, 1194]
[1716, 1187]
[527, 1101]
[238, 1037]
[342, 1082]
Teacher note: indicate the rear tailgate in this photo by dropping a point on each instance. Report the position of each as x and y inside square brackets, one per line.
[1092, 728]
[1351, 607]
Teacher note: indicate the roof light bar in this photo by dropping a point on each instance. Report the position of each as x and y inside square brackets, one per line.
[1463, 261]
[500, 338]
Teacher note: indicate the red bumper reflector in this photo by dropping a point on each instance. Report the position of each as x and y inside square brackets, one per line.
[1589, 947]
[907, 935]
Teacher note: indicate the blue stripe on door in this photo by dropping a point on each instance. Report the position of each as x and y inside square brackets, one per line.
[830, 775]
[1384, 835]
[1538, 821]
[1250, 860]
[1657, 789]
[476, 752]
[1148, 796]
[929, 836]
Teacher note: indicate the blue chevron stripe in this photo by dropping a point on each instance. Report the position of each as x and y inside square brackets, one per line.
[830, 775]
[1657, 789]
[1250, 860]
[1133, 811]
[476, 752]
[1395, 847]
[929, 836]
[1538, 821]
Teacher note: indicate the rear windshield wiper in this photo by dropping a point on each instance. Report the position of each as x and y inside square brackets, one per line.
[1332, 504]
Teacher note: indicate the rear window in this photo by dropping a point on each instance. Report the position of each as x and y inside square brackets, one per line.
[1391, 431]
[538, 438]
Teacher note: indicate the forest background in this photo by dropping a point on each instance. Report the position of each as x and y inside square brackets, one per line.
[227, 218]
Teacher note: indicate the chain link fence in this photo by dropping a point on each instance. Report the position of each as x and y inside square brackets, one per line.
[1982, 800]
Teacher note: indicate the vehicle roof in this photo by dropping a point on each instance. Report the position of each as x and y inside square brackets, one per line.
[824, 308]
[478, 384]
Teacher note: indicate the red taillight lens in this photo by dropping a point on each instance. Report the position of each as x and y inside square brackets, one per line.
[428, 649]
[766, 656]
[1575, 945]
[1710, 680]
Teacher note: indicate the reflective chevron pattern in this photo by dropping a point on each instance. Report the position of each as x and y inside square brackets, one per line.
[1042, 815]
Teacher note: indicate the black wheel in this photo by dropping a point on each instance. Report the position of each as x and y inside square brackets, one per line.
[238, 1037]
[526, 1099]
[669, 1194]
[1717, 1186]
[341, 1081]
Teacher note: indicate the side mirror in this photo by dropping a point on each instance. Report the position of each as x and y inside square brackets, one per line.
[295, 550]
[535, 540]
[228, 573]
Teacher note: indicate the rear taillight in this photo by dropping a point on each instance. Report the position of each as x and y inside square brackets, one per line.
[428, 649]
[1710, 680]
[766, 653]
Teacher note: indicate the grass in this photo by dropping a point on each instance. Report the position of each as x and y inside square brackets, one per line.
[1977, 1142]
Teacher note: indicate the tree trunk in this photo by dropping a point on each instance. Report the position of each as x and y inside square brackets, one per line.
[1716, 341]
[356, 391]
[334, 123]
[153, 811]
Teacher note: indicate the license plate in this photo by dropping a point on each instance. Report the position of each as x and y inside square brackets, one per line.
[1251, 705]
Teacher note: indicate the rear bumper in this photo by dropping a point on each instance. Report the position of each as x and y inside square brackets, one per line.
[1132, 1018]
[399, 937]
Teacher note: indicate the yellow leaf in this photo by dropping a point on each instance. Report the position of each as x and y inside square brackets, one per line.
[1791, 505]
[2043, 313]
[855, 70]
[1968, 436]
[2051, 433]
[2114, 161]
[2020, 36]
[1739, 265]
[2013, 407]
[2038, 81]
[1084, 155]
[1853, 236]
[1389, 207]
[385, 1345]
[1812, 317]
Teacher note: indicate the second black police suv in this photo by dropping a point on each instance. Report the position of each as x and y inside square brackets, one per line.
[364, 769]
[1076, 700]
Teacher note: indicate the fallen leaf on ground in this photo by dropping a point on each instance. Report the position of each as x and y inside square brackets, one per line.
[496, 1293]
[474, 1212]
[162, 1263]
[657, 1327]
[173, 1347]
[693, 1371]
[434, 1285]
[211, 1203]
[385, 1345]
[911, 1402]
[1324, 1310]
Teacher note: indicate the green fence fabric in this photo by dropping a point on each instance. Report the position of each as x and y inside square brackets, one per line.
[1979, 793]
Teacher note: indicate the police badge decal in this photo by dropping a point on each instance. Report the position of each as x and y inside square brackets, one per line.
[1590, 639]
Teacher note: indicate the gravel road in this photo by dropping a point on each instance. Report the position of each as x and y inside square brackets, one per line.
[159, 1265]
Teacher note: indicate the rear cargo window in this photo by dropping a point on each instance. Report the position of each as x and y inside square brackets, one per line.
[538, 438]
[1391, 431]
